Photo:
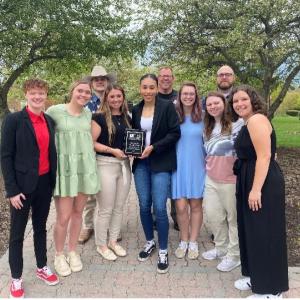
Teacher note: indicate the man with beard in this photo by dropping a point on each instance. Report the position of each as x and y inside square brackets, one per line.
[166, 92]
[225, 80]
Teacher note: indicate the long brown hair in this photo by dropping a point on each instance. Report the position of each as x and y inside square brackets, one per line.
[257, 102]
[106, 111]
[210, 122]
[196, 113]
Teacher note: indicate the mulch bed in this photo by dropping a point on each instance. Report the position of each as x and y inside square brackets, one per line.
[289, 160]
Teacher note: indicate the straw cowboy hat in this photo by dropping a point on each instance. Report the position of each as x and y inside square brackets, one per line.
[100, 71]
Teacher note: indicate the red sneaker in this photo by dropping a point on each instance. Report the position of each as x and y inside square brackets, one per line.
[16, 288]
[47, 276]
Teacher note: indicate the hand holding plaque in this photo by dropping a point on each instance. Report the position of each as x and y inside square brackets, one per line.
[134, 141]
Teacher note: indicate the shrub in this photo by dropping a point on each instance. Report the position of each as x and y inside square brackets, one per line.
[293, 113]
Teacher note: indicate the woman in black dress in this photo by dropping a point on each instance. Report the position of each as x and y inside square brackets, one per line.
[260, 200]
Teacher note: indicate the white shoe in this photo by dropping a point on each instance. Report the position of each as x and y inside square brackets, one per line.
[213, 254]
[74, 261]
[118, 249]
[193, 251]
[181, 250]
[266, 296]
[107, 254]
[228, 264]
[243, 284]
[61, 266]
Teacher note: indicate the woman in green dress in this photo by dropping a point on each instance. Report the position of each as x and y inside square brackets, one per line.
[76, 173]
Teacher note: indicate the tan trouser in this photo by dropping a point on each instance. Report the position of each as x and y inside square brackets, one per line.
[115, 184]
[88, 213]
[220, 209]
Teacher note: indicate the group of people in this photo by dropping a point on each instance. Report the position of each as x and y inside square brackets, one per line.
[219, 150]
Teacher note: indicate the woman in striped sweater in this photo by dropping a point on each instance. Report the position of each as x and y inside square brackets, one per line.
[219, 196]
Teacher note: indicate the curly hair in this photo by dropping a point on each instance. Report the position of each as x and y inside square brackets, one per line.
[35, 83]
[106, 111]
[196, 113]
[210, 121]
[257, 102]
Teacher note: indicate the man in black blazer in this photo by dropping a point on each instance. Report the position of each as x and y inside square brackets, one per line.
[29, 162]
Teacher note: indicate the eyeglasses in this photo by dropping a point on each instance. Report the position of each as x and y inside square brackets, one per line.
[224, 75]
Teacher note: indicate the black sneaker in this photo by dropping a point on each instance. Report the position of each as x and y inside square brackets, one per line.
[162, 262]
[146, 253]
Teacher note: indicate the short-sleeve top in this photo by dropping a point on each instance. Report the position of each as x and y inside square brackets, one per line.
[76, 159]
[118, 138]
[221, 154]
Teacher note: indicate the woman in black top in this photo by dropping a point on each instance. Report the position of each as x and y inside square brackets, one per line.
[108, 128]
[260, 199]
[152, 171]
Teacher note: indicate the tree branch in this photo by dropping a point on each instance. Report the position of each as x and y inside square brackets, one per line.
[38, 44]
[17, 72]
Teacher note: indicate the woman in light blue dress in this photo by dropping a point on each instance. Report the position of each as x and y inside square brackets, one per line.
[188, 180]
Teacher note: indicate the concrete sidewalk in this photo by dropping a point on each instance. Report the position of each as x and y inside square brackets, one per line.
[127, 277]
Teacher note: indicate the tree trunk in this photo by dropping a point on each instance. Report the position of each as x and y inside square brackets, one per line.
[3, 105]
[283, 91]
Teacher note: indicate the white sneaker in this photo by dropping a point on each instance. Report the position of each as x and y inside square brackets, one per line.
[61, 265]
[213, 254]
[228, 263]
[266, 296]
[74, 261]
[193, 250]
[243, 284]
[181, 250]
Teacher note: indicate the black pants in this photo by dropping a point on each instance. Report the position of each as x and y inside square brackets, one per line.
[39, 201]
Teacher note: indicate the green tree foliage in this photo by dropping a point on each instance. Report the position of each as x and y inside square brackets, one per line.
[260, 39]
[291, 102]
[36, 31]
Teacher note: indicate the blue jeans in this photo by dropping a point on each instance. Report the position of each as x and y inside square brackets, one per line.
[153, 187]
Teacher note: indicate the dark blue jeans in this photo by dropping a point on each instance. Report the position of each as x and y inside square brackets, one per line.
[153, 187]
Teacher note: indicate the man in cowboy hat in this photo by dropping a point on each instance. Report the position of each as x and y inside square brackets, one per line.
[100, 80]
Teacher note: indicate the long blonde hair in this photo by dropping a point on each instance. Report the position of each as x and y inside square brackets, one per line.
[106, 111]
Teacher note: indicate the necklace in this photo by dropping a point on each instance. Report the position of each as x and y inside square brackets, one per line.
[118, 119]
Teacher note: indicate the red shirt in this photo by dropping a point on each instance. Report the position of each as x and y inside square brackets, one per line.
[42, 137]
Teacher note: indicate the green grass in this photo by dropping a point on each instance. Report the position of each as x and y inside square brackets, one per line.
[287, 131]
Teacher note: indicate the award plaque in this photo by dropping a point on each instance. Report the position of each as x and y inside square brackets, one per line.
[134, 142]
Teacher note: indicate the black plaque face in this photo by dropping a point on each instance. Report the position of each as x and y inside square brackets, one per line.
[134, 142]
